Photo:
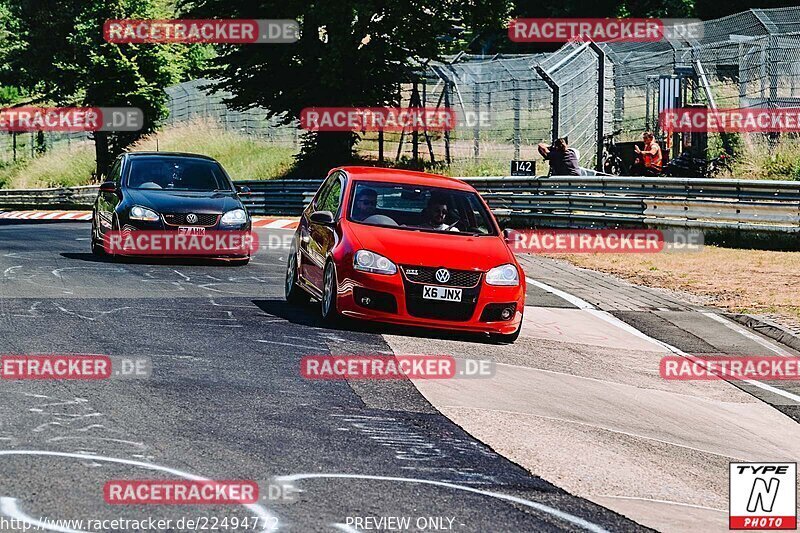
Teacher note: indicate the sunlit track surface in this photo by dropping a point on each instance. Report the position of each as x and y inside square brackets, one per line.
[226, 401]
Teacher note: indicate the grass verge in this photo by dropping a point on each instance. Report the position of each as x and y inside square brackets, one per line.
[740, 281]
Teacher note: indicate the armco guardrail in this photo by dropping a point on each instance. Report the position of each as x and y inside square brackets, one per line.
[632, 201]
[55, 198]
[565, 201]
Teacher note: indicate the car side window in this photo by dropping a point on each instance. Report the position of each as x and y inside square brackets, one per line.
[333, 197]
[330, 195]
[323, 192]
[115, 175]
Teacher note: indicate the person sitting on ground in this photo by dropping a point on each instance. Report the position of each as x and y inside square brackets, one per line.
[435, 213]
[648, 160]
[366, 204]
[563, 159]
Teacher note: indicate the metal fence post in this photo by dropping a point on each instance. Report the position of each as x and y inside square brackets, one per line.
[601, 102]
[556, 99]
[415, 131]
[447, 130]
[476, 131]
[517, 132]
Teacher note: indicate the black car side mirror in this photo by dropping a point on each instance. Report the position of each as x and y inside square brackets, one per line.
[509, 235]
[243, 190]
[322, 217]
[108, 186]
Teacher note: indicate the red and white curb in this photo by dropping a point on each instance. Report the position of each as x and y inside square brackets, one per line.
[70, 216]
[275, 223]
[78, 216]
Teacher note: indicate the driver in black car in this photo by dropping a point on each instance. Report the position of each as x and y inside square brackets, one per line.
[435, 213]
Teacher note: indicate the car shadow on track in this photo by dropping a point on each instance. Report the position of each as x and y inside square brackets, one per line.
[309, 315]
[92, 258]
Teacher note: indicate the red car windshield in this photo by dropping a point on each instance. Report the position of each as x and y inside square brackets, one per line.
[421, 208]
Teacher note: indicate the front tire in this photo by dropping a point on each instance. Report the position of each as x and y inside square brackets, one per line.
[328, 303]
[294, 294]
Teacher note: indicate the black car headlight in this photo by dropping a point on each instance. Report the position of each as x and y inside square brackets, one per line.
[234, 217]
[142, 213]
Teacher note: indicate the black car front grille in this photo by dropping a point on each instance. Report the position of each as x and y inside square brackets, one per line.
[179, 219]
[458, 278]
[421, 307]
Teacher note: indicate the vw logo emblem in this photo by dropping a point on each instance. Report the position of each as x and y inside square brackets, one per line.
[191, 218]
[442, 275]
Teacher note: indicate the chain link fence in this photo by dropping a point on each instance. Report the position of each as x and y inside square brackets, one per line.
[506, 104]
[746, 60]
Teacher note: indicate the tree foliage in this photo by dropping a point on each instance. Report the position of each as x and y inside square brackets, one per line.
[59, 57]
[350, 53]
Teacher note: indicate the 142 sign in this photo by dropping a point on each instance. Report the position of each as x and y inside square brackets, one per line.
[523, 168]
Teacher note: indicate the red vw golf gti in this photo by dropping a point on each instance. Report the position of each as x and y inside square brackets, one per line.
[406, 248]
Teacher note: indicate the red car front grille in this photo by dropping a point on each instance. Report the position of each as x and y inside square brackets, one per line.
[427, 275]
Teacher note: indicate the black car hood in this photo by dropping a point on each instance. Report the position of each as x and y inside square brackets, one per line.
[164, 201]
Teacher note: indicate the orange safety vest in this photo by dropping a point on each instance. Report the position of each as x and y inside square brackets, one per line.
[650, 160]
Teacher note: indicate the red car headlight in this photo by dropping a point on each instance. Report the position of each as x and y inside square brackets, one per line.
[503, 275]
[367, 261]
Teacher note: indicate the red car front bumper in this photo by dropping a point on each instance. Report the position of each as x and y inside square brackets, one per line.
[351, 280]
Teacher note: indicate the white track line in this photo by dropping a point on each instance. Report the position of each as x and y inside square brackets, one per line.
[749, 334]
[271, 521]
[575, 520]
[574, 300]
[611, 319]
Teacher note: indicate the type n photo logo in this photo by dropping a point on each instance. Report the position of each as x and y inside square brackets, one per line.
[763, 496]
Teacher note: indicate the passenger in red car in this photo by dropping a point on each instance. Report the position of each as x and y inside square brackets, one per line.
[435, 214]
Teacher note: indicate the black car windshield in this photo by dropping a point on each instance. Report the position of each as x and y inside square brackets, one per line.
[420, 208]
[177, 173]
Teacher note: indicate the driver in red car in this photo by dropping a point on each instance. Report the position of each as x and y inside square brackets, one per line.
[366, 204]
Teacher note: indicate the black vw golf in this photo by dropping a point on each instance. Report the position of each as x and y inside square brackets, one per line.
[163, 192]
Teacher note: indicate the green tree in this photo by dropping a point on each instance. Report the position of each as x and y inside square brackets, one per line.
[350, 53]
[62, 59]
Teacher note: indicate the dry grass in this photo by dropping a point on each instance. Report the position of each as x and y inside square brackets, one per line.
[243, 156]
[744, 281]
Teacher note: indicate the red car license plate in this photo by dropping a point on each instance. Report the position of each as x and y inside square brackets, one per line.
[441, 293]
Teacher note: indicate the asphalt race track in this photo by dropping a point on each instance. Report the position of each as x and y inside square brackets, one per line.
[576, 430]
[226, 401]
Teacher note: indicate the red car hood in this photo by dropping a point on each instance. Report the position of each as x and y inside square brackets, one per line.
[419, 248]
